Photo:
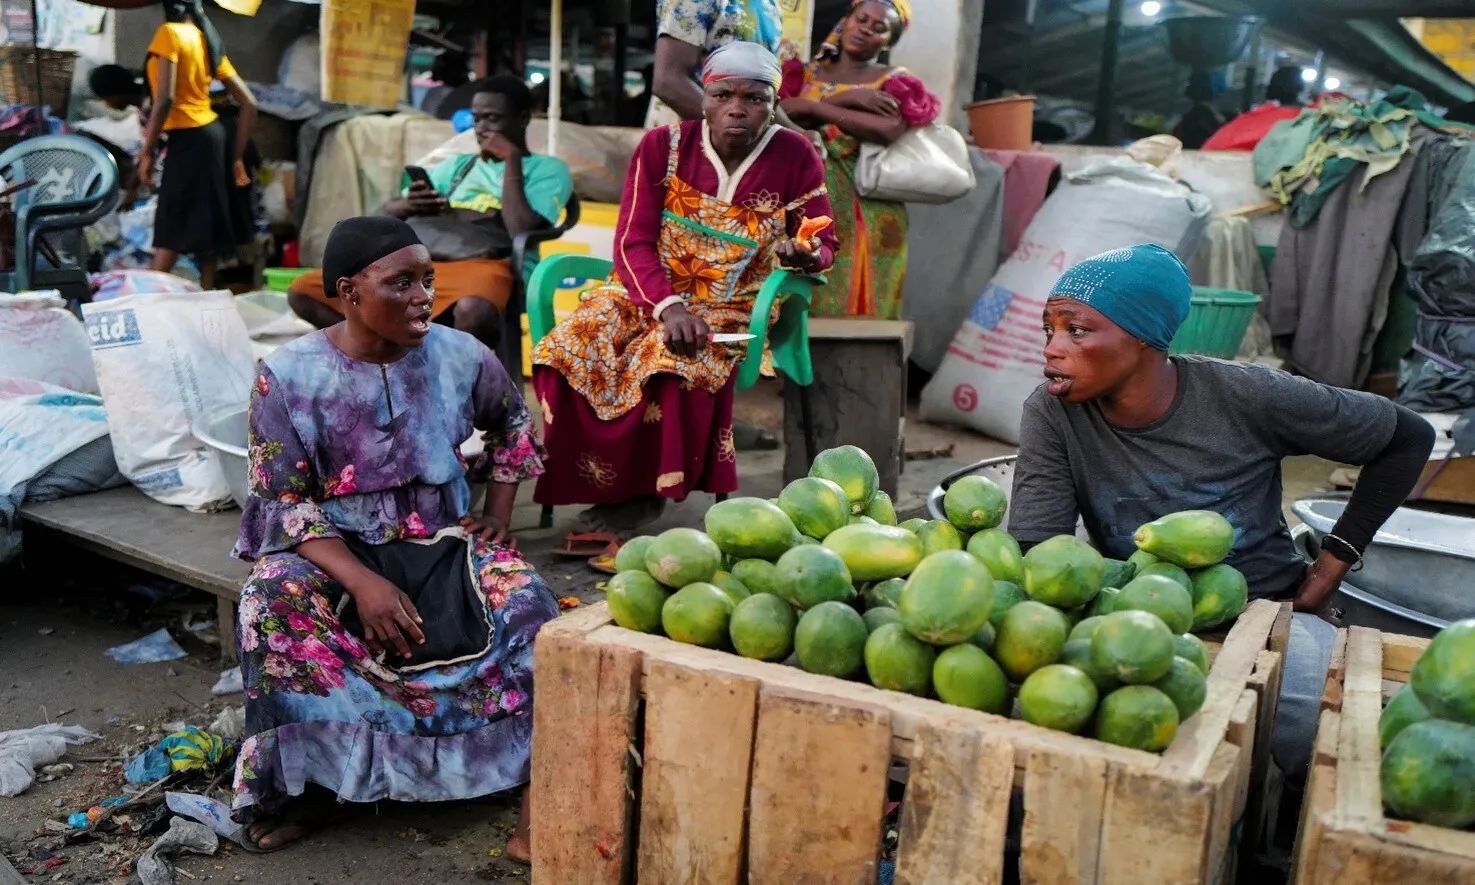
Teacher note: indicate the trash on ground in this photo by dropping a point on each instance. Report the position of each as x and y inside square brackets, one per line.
[154, 648]
[24, 750]
[193, 749]
[187, 748]
[229, 682]
[154, 867]
[230, 724]
[194, 622]
[148, 766]
[211, 812]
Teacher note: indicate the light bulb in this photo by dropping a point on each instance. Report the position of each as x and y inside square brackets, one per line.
[1308, 75]
[537, 77]
[1151, 8]
[1333, 83]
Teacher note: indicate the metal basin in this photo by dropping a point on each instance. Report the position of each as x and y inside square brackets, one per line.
[1419, 561]
[1362, 609]
[225, 434]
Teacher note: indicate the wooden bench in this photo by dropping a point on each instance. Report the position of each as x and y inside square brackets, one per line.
[127, 526]
[858, 396]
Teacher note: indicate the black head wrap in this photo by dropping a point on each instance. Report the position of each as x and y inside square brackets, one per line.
[193, 11]
[356, 243]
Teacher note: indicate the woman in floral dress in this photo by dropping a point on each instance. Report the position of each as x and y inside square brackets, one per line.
[850, 96]
[637, 403]
[386, 635]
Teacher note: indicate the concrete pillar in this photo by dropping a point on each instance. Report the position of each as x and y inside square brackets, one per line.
[941, 47]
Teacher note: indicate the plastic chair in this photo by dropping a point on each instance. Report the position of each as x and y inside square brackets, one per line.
[788, 339]
[509, 348]
[76, 185]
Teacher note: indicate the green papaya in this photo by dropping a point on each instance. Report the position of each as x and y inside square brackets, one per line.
[1189, 538]
[1118, 573]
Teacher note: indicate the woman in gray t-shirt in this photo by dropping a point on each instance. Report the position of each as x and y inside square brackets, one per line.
[1121, 433]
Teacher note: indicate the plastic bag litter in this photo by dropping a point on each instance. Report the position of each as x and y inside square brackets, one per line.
[25, 750]
[154, 648]
[154, 867]
[149, 766]
[211, 812]
[230, 724]
[228, 683]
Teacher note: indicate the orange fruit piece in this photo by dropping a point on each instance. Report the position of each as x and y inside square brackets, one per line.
[807, 237]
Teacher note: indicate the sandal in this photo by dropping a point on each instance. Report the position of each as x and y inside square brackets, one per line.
[583, 545]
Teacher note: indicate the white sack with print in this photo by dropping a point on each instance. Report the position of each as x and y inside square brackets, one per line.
[996, 358]
[42, 341]
[165, 360]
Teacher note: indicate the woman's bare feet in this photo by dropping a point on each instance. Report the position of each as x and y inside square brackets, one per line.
[301, 818]
[519, 845]
[626, 516]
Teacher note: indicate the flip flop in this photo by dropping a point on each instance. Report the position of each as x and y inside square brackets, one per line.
[583, 545]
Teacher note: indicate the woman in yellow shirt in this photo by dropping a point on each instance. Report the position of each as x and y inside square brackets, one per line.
[193, 216]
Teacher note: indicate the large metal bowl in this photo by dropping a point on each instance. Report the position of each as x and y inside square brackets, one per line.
[1418, 560]
[224, 432]
[1360, 608]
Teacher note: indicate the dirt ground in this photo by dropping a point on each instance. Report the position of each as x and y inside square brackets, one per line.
[58, 618]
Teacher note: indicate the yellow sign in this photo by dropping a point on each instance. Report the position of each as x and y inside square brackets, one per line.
[798, 23]
[364, 45]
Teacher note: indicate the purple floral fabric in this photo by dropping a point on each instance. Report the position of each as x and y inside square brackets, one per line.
[338, 448]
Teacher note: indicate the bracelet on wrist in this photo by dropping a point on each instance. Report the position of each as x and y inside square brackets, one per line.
[1343, 550]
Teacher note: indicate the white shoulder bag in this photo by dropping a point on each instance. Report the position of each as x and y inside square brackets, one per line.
[929, 164]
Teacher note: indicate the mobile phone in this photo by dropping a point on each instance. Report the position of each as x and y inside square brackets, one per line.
[418, 174]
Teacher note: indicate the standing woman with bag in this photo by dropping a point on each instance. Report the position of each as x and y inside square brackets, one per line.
[193, 216]
[851, 97]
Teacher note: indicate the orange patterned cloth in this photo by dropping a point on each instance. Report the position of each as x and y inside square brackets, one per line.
[715, 255]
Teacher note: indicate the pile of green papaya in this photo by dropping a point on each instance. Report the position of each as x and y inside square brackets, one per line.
[1427, 733]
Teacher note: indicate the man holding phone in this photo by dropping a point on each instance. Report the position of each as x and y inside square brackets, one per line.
[486, 198]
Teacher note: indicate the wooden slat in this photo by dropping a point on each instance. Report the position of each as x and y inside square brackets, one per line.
[1359, 797]
[694, 787]
[1320, 797]
[1199, 737]
[1064, 796]
[1265, 682]
[1432, 840]
[1280, 634]
[819, 790]
[906, 711]
[1399, 655]
[127, 526]
[1156, 828]
[1331, 696]
[583, 756]
[961, 782]
[1328, 729]
[1227, 778]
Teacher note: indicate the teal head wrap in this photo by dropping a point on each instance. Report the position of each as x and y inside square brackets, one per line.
[1144, 289]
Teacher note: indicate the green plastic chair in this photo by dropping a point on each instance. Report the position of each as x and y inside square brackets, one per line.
[788, 339]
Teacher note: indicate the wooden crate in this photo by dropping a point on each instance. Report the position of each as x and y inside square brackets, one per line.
[1345, 839]
[659, 762]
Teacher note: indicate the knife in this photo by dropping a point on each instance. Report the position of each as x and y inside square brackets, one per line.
[731, 338]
